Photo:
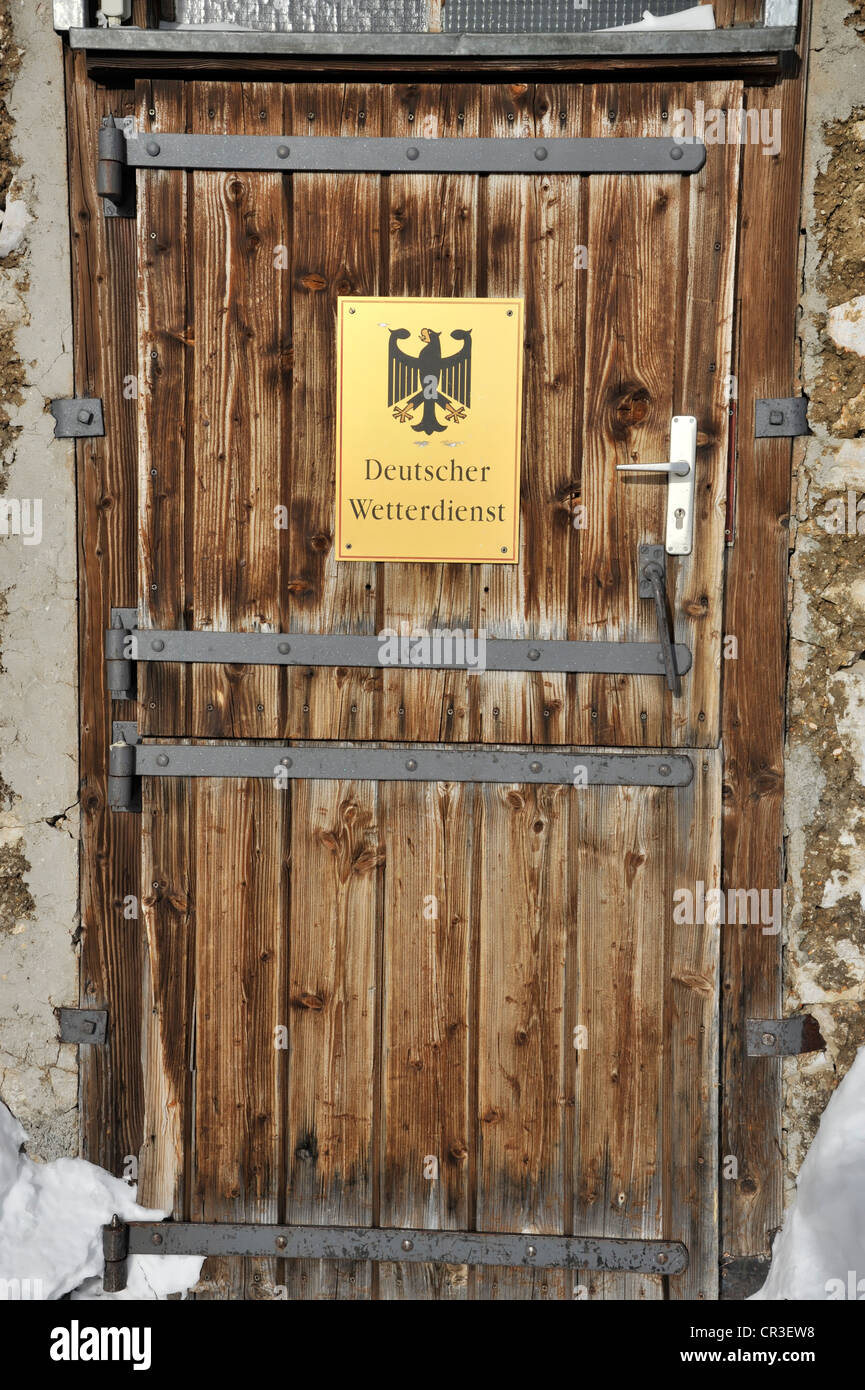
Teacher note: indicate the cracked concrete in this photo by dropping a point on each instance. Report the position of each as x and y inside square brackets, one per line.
[825, 798]
[38, 697]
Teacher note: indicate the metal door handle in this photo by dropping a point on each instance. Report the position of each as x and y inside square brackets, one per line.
[680, 483]
[653, 584]
[680, 467]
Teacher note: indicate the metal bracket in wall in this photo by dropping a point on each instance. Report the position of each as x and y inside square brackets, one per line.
[77, 417]
[387, 154]
[130, 759]
[363, 1243]
[781, 417]
[83, 1025]
[742, 1275]
[448, 649]
[783, 1037]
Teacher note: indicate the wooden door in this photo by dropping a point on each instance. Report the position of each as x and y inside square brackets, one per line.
[492, 1021]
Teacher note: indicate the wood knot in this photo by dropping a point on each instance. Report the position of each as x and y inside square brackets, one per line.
[630, 407]
[310, 1001]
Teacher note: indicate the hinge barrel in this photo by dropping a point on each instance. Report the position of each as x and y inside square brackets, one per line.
[121, 774]
[111, 147]
[115, 1249]
[119, 646]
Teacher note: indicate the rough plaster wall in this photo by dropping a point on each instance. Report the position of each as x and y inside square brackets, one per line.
[825, 800]
[38, 701]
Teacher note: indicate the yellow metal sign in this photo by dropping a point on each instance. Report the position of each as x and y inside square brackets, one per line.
[428, 429]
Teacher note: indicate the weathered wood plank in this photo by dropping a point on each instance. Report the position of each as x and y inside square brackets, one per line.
[335, 250]
[332, 1019]
[104, 337]
[622, 1054]
[531, 231]
[237, 221]
[525, 1072]
[692, 956]
[168, 837]
[631, 317]
[427, 1120]
[165, 346]
[703, 377]
[754, 684]
[432, 251]
[236, 1168]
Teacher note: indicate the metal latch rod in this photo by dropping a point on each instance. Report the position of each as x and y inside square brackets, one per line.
[652, 584]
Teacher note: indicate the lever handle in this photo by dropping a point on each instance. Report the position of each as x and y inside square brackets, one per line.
[680, 468]
[655, 577]
[680, 483]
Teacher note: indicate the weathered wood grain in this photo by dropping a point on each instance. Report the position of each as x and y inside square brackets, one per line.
[103, 273]
[754, 684]
[428, 1128]
[165, 345]
[530, 235]
[235, 1163]
[335, 249]
[622, 1054]
[168, 839]
[631, 317]
[524, 1052]
[692, 954]
[564, 899]
[237, 397]
[649, 269]
[704, 384]
[331, 1012]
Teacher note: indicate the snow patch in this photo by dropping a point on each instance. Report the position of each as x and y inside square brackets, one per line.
[51, 1219]
[13, 224]
[820, 1252]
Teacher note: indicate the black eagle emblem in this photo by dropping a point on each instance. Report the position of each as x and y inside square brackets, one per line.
[437, 383]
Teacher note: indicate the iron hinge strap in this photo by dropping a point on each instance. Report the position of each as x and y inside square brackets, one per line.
[120, 145]
[381, 1245]
[125, 644]
[130, 759]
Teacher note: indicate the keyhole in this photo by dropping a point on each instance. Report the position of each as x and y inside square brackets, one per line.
[679, 514]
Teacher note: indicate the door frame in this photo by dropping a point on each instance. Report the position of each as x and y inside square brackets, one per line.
[104, 298]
